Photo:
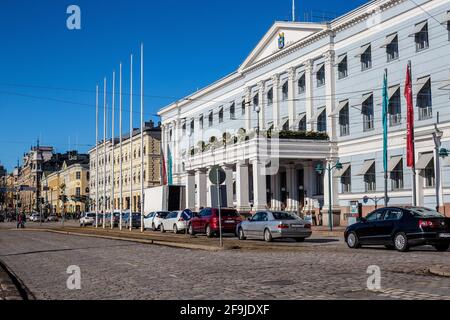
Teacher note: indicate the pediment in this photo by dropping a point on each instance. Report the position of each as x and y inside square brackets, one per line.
[292, 32]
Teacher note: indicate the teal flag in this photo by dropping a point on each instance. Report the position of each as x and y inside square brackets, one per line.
[169, 167]
[385, 121]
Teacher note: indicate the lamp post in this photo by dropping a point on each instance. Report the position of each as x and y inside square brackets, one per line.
[320, 170]
[437, 135]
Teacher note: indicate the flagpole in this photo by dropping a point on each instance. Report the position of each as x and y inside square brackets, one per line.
[142, 138]
[113, 197]
[414, 172]
[120, 151]
[385, 137]
[96, 157]
[104, 154]
[130, 218]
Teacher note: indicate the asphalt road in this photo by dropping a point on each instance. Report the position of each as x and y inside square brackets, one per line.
[113, 269]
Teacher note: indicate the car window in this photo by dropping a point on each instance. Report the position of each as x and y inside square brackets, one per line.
[263, 216]
[206, 213]
[283, 216]
[425, 213]
[393, 214]
[257, 216]
[375, 216]
[229, 213]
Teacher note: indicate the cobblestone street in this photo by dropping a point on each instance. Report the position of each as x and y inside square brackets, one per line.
[123, 270]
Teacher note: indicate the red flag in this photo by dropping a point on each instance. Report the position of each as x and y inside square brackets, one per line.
[410, 148]
[164, 172]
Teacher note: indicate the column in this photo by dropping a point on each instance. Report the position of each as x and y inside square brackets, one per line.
[259, 186]
[330, 92]
[309, 94]
[200, 196]
[248, 112]
[242, 196]
[291, 96]
[292, 188]
[190, 190]
[208, 189]
[262, 105]
[276, 194]
[276, 102]
[176, 150]
[229, 185]
[309, 186]
[334, 198]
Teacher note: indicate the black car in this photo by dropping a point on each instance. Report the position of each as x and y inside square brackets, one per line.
[401, 229]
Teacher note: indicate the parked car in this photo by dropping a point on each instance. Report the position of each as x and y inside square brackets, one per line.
[115, 218]
[176, 221]
[87, 219]
[2, 218]
[153, 219]
[135, 220]
[52, 218]
[37, 217]
[207, 221]
[401, 228]
[269, 225]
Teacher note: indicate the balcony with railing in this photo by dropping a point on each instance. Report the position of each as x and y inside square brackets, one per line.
[395, 119]
[425, 113]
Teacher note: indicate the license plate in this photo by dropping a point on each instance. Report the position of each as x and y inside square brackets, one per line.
[444, 235]
[229, 221]
[296, 225]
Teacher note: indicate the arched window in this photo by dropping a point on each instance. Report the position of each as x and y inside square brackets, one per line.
[285, 91]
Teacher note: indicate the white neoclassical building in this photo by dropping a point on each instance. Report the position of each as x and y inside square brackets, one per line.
[311, 94]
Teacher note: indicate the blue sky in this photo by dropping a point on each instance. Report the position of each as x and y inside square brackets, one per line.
[48, 73]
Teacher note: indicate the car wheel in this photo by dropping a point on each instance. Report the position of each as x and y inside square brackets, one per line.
[153, 226]
[267, 236]
[161, 228]
[300, 239]
[191, 229]
[353, 241]
[442, 247]
[241, 234]
[208, 231]
[401, 242]
[175, 229]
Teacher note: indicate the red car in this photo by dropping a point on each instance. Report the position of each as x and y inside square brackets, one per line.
[207, 221]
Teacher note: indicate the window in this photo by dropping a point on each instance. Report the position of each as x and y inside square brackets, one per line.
[302, 123]
[170, 135]
[322, 121]
[210, 119]
[232, 112]
[397, 176]
[421, 36]
[319, 184]
[78, 175]
[393, 214]
[428, 175]
[270, 97]
[370, 179]
[344, 121]
[221, 115]
[285, 91]
[392, 47]
[395, 106]
[192, 128]
[243, 107]
[183, 128]
[424, 100]
[320, 75]
[346, 181]
[367, 112]
[301, 83]
[375, 216]
[200, 122]
[256, 100]
[78, 191]
[342, 67]
[286, 125]
[366, 57]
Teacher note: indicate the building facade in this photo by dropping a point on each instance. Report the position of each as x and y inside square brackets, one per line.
[131, 183]
[318, 88]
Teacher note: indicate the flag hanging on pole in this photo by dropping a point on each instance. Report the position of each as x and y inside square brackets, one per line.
[169, 169]
[385, 120]
[164, 172]
[410, 152]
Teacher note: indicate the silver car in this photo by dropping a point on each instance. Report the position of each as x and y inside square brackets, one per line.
[269, 225]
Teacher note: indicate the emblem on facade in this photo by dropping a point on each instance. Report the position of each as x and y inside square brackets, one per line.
[281, 40]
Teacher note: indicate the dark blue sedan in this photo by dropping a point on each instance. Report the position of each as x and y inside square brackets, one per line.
[401, 228]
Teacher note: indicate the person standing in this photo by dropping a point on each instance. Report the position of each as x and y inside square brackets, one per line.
[19, 221]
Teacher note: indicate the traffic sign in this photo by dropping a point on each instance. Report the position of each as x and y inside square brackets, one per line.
[217, 175]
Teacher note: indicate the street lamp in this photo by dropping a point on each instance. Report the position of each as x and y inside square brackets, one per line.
[320, 169]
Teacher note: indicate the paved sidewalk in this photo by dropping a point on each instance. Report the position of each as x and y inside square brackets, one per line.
[8, 290]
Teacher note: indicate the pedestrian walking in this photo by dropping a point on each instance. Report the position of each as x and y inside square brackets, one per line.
[24, 220]
[19, 222]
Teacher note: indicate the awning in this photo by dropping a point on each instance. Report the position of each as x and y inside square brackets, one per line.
[418, 28]
[366, 167]
[299, 118]
[319, 66]
[393, 162]
[363, 50]
[301, 74]
[365, 97]
[389, 40]
[316, 115]
[339, 173]
[393, 90]
[341, 58]
[424, 160]
[341, 105]
[421, 83]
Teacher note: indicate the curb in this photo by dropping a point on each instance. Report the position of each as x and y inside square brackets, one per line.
[15, 289]
[441, 271]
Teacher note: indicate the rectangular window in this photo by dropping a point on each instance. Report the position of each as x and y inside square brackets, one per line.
[366, 58]
[370, 179]
[397, 176]
[243, 107]
[346, 181]
[192, 127]
[285, 91]
[210, 119]
[421, 36]
[301, 84]
[78, 175]
[395, 106]
[428, 175]
[342, 67]
[232, 112]
[200, 122]
[368, 114]
[344, 121]
[270, 97]
[183, 128]
[392, 48]
[322, 121]
[320, 75]
[319, 184]
[448, 24]
[221, 115]
[424, 99]
[78, 191]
